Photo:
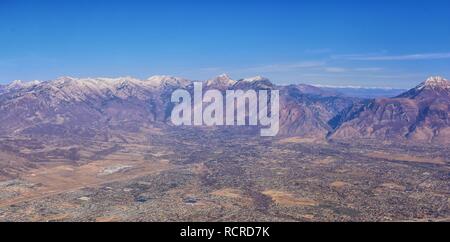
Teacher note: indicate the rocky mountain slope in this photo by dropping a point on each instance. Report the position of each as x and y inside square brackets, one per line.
[420, 114]
[96, 107]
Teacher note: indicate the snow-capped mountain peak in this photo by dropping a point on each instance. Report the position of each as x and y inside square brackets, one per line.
[164, 80]
[158, 79]
[21, 84]
[436, 81]
[255, 79]
[432, 87]
[221, 80]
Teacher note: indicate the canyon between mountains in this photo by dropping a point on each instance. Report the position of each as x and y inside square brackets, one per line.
[104, 149]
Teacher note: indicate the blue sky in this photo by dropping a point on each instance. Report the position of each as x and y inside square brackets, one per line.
[365, 43]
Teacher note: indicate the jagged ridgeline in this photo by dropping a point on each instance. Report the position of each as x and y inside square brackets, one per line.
[95, 107]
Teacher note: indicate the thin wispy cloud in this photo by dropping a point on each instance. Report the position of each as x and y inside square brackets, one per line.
[312, 67]
[408, 57]
[369, 69]
[339, 69]
[351, 70]
[284, 67]
[335, 69]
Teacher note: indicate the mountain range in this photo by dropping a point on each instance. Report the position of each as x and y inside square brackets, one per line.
[98, 108]
[364, 92]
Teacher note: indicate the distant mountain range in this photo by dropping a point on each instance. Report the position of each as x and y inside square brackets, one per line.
[96, 108]
[364, 92]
